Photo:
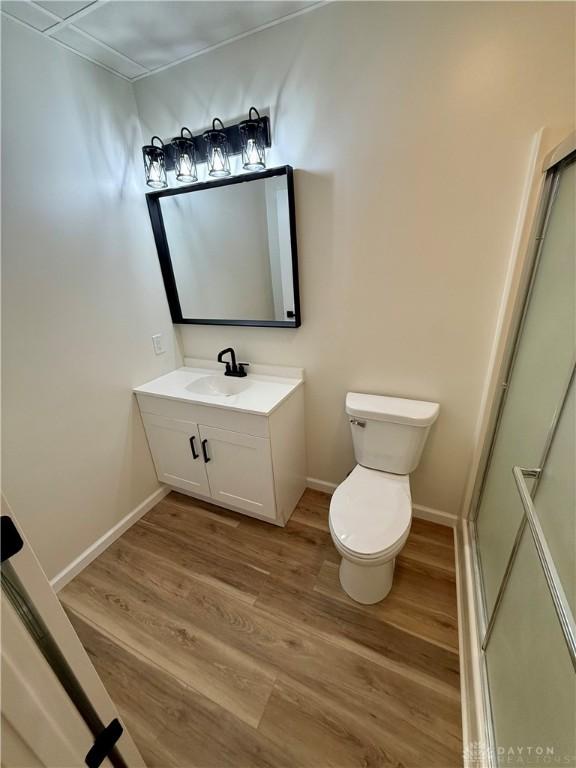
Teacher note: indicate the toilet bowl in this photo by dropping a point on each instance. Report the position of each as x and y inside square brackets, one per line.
[370, 516]
[371, 511]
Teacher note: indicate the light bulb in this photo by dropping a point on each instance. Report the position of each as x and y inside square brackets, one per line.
[217, 161]
[219, 165]
[252, 152]
[155, 172]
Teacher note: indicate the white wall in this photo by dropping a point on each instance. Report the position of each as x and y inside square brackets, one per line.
[410, 126]
[82, 295]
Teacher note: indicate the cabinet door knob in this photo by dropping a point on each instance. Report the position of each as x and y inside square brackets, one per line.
[193, 447]
[205, 451]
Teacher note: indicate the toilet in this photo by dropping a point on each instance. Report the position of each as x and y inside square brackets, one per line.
[371, 511]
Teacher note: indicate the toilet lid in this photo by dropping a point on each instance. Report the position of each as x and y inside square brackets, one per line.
[371, 511]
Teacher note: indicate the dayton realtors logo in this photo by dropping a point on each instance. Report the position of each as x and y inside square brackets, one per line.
[477, 755]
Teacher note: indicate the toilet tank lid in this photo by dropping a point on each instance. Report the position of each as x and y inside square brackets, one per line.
[400, 410]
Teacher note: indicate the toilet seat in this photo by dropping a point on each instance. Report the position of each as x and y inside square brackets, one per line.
[370, 514]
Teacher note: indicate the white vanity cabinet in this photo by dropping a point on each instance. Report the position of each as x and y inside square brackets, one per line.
[239, 451]
[240, 471]
[175, 447]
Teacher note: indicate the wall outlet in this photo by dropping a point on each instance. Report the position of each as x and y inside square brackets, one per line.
[158, 343]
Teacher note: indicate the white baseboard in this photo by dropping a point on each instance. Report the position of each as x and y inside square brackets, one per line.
[422, 513]
[434, 515]
[476, 728]
[95, 549]
[320, 485]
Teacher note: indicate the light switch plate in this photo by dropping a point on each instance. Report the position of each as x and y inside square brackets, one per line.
[158, 343]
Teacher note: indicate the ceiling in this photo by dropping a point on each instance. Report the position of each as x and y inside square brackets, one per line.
[134, 38]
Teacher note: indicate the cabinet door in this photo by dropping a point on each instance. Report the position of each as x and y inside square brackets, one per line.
[177, 453]
[240, 470]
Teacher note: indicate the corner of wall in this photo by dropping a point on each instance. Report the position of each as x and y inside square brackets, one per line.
[517, 262]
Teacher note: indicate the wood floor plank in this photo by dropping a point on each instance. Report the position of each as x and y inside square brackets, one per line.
[202, 508]
[313, 510]
[139, 620]
[217, 565]
[413, 709]
[227, 641]
[426, 586]
[416, 618]
[172, 724]
[294, 543]
[315, 732]
[186, 520]
[139, 706]
[157, 573]
[328, 732]
[251, 541]
[320, 613]
[441, 534]
[424, 571]
[429, 553]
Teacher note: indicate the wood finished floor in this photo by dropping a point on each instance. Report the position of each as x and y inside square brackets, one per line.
[225, 641]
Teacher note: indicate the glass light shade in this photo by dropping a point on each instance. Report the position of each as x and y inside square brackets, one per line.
[253, 142]
[155, 164]
[218, 158]
[184, 153]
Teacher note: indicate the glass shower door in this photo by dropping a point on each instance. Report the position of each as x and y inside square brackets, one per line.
[540, 371]
[530, 667]
[527, 568]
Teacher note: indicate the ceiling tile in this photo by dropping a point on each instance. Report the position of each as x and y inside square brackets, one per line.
[132, 37]
[94, 50]
[31, 14]
[159, 33]
[64, 8]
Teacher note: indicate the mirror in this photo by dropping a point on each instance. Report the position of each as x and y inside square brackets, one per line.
[227, 250]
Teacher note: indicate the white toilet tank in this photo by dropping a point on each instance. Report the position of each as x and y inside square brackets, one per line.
[389, 432]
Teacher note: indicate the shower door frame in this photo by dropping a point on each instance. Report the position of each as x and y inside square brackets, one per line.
[563, 154]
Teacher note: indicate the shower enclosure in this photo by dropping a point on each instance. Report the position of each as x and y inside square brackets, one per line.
[524, 518]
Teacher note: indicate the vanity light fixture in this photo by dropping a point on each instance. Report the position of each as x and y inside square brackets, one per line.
[253, 142]
[217, 144]
[184, 156]
[155, 164]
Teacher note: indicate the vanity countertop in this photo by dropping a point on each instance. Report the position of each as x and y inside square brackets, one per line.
[204, 383]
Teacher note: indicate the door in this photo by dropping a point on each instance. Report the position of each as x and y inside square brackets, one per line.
[40, 725]
[530, 653]
[541, 368]
[176, 450]
[240, 470]
[54, 705]
[525, 527]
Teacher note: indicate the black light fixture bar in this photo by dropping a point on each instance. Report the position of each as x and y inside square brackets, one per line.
[234, 143]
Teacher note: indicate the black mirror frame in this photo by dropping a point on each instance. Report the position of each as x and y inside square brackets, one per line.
[153, 200]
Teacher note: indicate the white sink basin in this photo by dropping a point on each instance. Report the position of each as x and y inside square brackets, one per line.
[260, 392]
[219, 386]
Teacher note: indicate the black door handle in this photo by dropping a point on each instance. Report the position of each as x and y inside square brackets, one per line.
[205, 451]
[193, 446]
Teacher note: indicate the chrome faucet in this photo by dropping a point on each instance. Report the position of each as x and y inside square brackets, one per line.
[232, 367]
